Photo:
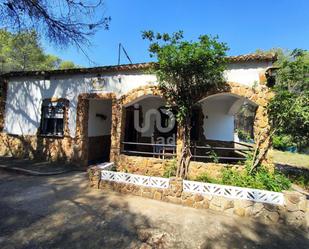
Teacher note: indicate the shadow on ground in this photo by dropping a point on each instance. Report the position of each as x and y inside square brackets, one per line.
[62, 212]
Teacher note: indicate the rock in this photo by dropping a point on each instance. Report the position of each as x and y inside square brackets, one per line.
[205, 204]
[147, 194]
[229, 211]
[273, 216]
[188, 202]
[186, 195]
[219, 203]
[292, 197]
[291, 207]
[302, 205]
[198, 198]
[173, 199]
[240, 211]
[296, 219]
[249, 211]
[242, 203]
[198, 205]
[157, 195]
[271, 207]
[257, 208]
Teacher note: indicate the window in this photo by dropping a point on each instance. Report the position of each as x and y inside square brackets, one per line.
[52, 121]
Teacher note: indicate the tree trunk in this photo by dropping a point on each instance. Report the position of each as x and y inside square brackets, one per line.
[186, 155]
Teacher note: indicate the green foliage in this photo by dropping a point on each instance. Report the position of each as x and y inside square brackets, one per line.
[66, 65]
[281, 142]
[301, 180]
[213, 156]
[170, 169]
[22, 51]
[289, 109]
[243, 135]
[204, 177]
[186, 70]
[261, 179]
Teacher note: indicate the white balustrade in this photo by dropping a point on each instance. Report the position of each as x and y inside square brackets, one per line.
[147, 181]
[250, 194]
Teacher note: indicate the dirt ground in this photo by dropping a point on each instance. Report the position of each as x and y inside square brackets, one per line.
[62, 212]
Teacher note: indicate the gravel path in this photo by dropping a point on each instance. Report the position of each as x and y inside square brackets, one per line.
[62, 212]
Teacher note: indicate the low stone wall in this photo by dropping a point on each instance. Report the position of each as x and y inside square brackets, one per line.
[294, 212]
[142, 165]
[156, 166]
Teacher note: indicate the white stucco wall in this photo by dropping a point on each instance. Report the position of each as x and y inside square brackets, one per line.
[218, 123]
[25, 95]
[96, 125]
[246, 73]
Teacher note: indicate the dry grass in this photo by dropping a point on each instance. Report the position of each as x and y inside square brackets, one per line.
[293, 159]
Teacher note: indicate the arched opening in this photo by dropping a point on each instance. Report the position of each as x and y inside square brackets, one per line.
[149, 128]
[225, 128]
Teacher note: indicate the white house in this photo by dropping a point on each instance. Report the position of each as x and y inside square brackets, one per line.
[86, 115]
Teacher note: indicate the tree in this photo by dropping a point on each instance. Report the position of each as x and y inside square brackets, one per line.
[66, 65]
[186, 71]
[289, 109]
[23, 51]
[63, 22]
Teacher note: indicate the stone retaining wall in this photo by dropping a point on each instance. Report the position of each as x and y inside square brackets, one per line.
[156, 166]
[294, 212]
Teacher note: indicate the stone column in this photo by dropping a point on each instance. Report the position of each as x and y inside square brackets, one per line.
[118, 129]
[174, 191]
[94, 174]
[80, 149]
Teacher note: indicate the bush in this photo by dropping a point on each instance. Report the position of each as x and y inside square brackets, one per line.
[243, 135]
[170, 169]
[281, 142]
[261, 179]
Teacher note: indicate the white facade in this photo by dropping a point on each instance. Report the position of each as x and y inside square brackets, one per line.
[97, 125]
[25, 96]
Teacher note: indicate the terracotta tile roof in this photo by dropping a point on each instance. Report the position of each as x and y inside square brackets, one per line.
[253, 57]
[127, 67]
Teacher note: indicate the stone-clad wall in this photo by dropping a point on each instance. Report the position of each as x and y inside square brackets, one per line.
[54, 149]
[39, 147]
[259, 95]
[294, 212]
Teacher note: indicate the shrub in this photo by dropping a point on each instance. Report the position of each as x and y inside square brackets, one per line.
[261, 179]
[170, 169]
[281, 142]
[213, 156]
[243, 135]
[205, 178]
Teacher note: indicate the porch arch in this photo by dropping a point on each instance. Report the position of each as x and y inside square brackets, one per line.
[258, 96]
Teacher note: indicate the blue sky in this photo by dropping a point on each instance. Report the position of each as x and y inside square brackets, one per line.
[245, 25]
